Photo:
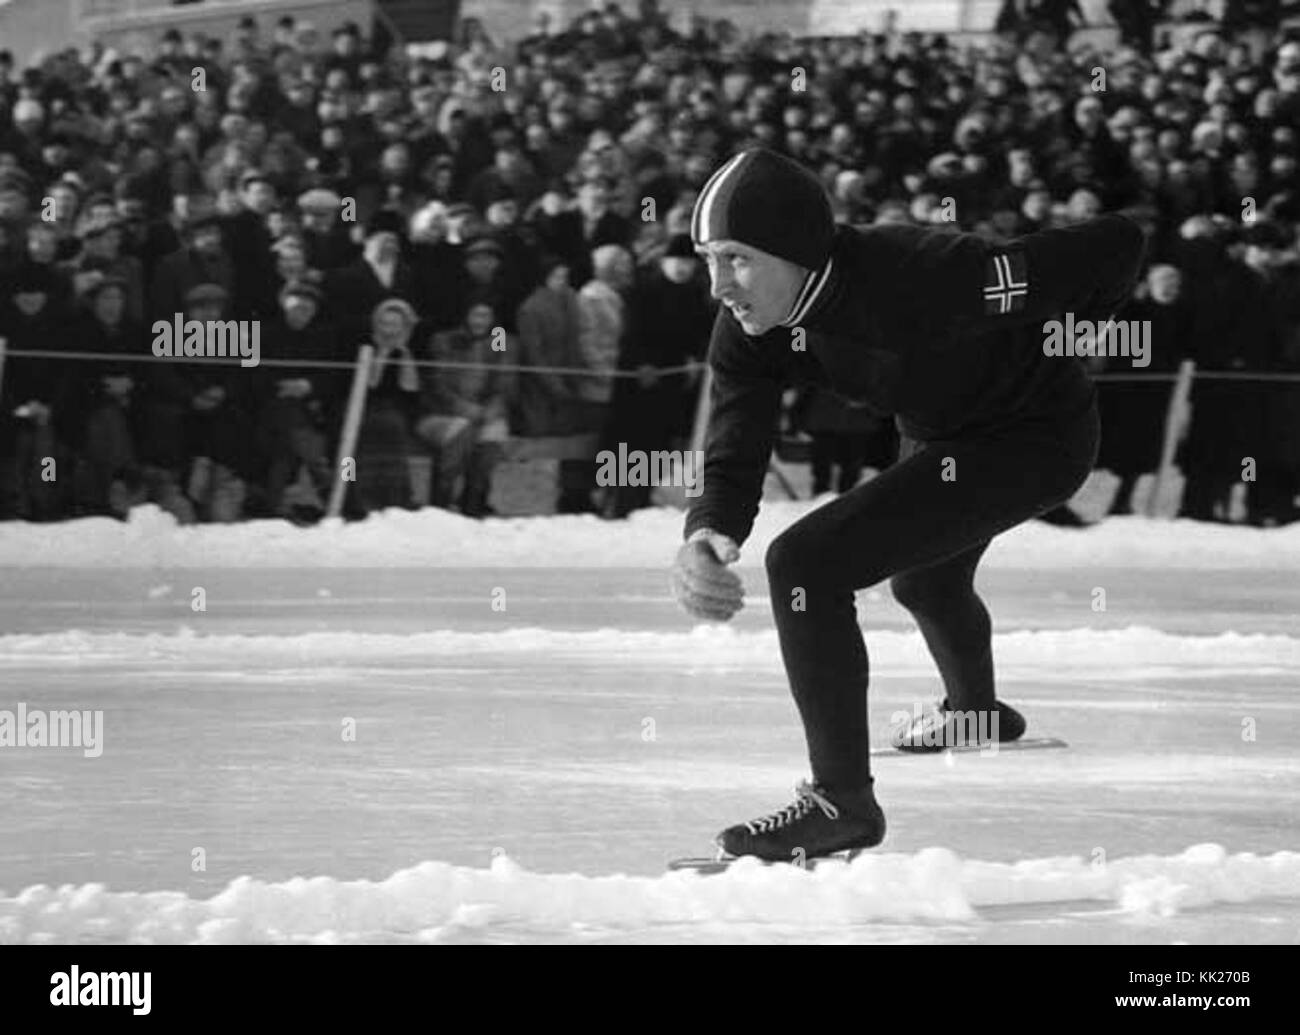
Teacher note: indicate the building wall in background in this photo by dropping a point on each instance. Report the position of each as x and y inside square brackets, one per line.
[509, 19]
[33, 28]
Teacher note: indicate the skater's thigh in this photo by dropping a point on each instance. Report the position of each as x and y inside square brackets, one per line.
[941, 500]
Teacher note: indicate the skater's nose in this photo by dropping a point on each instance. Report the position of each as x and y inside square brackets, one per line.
[723, 283]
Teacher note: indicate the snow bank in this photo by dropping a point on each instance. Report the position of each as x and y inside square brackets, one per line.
[1098, 654]
[436, 901]
[436, 538]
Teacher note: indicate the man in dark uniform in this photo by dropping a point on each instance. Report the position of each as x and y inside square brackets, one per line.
[944, 331]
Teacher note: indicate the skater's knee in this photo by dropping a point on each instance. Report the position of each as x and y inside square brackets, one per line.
[923, 592]
[789, 556]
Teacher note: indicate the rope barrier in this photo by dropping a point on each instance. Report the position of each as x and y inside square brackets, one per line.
[332, 364]
[523, 368]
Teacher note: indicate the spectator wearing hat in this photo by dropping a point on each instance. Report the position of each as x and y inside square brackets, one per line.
[574, 234]
[511, 175]
[485, 274]
[202, 259]
[101, 254]
[670, 317]
[301, 408]
[219, 427]
[387, 443]
[382, 271]
[325, 238]
[36, 418]
[467, 409]
[521, 245]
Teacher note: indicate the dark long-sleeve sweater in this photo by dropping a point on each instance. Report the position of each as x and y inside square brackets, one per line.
[942, 330]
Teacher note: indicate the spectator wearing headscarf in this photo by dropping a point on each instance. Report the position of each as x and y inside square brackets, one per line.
[387, 440]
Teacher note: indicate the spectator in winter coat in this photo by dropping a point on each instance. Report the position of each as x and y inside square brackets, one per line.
[248, 243]
[467, 408]
[36, 415]
[484, 273]
[574, 235]
[602, 310]
[670, 317]
[549, 326]
[382, 272]
[202, 259]
[101, 255]
[1133, 413]
[323, 231]
[108, 476]
[437, 266]
[219, 424]
[301, 408]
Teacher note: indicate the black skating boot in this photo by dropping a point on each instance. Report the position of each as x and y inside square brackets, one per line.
[944, 727]
[820, 822]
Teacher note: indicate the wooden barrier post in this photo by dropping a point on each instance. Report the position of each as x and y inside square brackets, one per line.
[351, 426]
[1176, 421]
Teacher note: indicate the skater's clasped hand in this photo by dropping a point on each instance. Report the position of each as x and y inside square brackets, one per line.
[702, 583]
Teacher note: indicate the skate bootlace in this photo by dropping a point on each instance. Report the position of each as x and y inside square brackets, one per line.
[806, 797]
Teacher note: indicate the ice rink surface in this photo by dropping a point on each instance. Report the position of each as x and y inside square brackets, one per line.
[524, 772]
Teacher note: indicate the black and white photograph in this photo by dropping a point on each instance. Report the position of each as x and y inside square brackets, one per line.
[650, 473]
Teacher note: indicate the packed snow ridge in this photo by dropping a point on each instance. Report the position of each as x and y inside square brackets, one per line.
[435, 538]
[436, 901]
[1102, 654]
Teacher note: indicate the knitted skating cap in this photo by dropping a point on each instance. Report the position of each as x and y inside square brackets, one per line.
[768, 202]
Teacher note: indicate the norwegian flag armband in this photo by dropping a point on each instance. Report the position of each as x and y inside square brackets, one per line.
[1006, 282]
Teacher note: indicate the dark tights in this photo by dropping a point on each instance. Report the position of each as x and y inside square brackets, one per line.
[927, 534]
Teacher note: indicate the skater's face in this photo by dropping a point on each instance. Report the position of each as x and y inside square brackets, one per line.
[759, 289]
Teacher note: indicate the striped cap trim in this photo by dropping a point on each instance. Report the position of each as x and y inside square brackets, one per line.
[712, 202]
[812, 290]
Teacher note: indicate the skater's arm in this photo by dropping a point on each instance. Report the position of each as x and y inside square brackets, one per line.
[1089, 269]
[745, 402]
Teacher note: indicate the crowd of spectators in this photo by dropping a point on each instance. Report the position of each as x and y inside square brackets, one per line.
[475, 208]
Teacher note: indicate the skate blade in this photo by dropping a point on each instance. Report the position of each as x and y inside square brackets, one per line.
[1024, 744]
[718, 864]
